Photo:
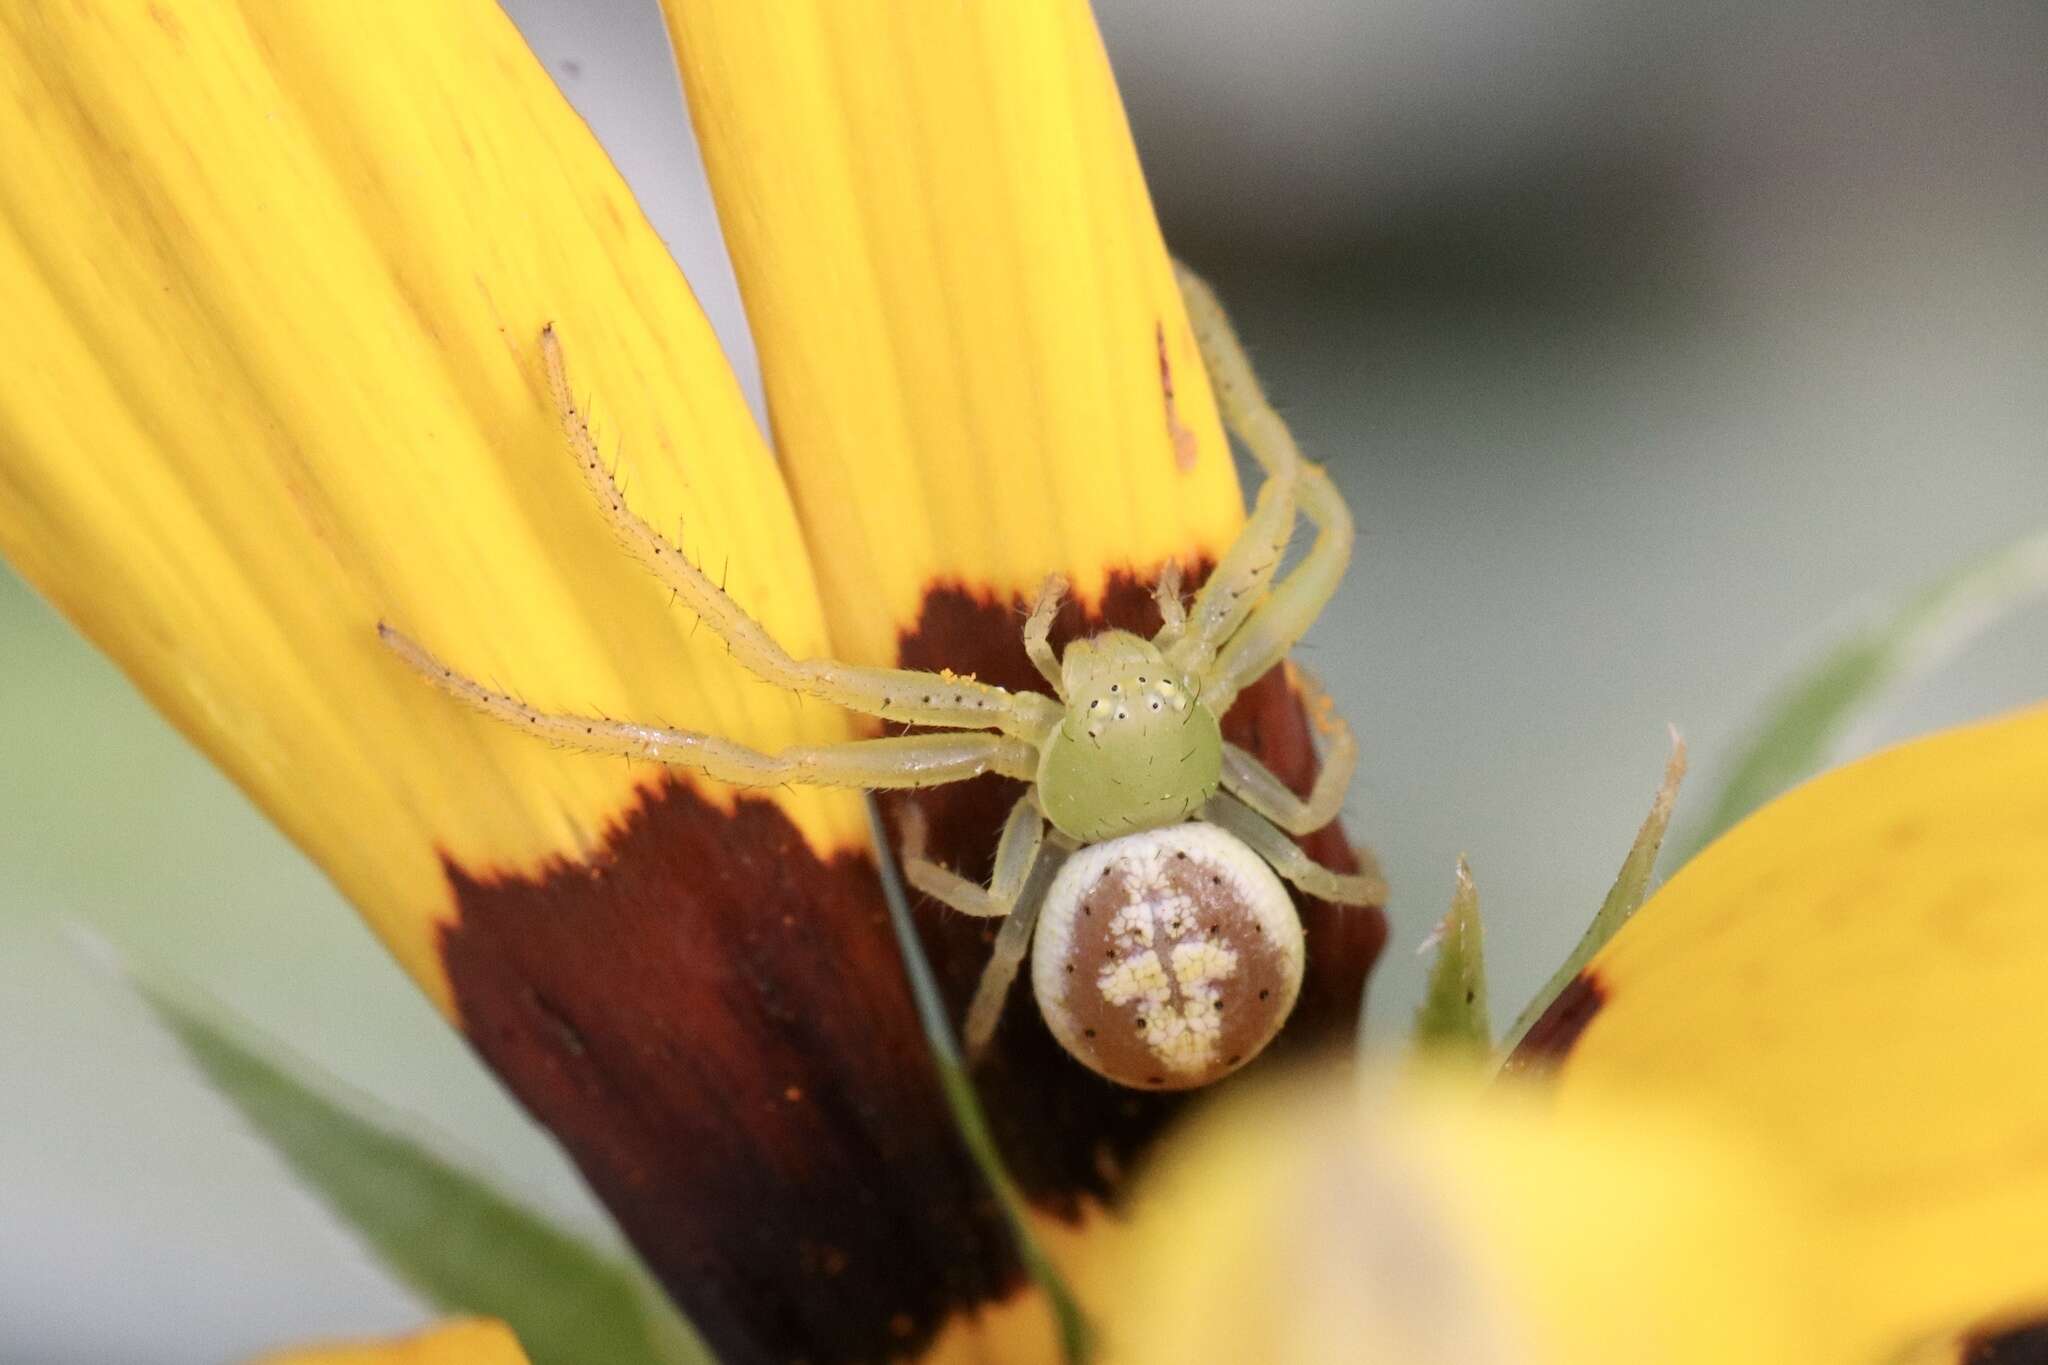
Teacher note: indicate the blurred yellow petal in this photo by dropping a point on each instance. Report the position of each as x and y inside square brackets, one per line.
[963, 306]
[1857, 976]
[1318, 1223]
[474, 1342]
[274, 280]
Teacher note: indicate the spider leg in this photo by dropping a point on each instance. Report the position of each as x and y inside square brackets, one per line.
[1265, 839]
[1240, 578]
[873, 764]
[1039, 626]
[1016, 890]
[1253, 783]
[1261, 636]
[1016, 851]
[906, 695]
[1173, 612]
[1013, 943]
[1294, 603]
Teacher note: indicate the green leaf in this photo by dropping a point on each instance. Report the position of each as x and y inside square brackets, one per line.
[440, 1229]
[1452, 1019]
[1801, 724]
[1630, 889]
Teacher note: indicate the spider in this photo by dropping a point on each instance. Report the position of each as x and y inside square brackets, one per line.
[1145, 848]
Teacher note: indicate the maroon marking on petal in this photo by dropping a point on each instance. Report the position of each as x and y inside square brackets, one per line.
[715, 1024]
[1559, 1026]
[1186, 445]
[1064, 1131]
[2026, 1345]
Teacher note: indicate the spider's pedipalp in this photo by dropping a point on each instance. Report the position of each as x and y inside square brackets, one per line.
[906, 695]
[870, 764]
[1173, 612]
[1039, 626]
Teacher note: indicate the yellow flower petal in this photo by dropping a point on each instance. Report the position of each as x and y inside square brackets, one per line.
[472, 1342]
[1319, 1224]
[962, 303]
[1858, 975]
[274, 281]
[980, 371]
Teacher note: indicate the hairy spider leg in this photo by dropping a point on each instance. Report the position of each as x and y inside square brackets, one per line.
[1038, 626]
[1291, 607]
[1239, 580]
[1264, 838]
[872, 764]
[1253, 783]
[1296, 600]
[905, 695]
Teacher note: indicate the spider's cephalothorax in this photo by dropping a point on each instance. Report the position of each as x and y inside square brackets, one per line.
[1168, 952]
[1137, 748]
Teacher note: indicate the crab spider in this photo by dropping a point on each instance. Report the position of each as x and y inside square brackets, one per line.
[1141, 870]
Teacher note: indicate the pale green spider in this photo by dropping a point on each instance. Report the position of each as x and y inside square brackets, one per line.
[1157, 877]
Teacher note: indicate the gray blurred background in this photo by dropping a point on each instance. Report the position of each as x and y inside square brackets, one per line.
[1651, 342]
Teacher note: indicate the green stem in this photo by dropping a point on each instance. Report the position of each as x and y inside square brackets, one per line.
[1076, 1337]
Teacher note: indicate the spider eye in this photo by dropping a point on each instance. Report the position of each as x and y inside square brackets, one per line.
[1167, 959]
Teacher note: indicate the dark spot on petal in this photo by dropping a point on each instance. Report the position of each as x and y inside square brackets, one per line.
[659, 1017]
[2025, 1344]
[1551, 1037]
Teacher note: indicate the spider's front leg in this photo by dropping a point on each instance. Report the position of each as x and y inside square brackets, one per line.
[1024, 862]
[1264, 838]
[872, 764]
[1261, 638]
[1296, 601]
[906, 695]
[1238, 583]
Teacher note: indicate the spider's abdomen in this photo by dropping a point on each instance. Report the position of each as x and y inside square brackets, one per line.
[1137, 748]
[1167, 959]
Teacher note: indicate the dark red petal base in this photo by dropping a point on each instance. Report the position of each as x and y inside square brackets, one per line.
[716, 1025]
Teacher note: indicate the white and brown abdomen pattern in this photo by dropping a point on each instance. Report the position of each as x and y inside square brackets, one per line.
[1167, 959]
